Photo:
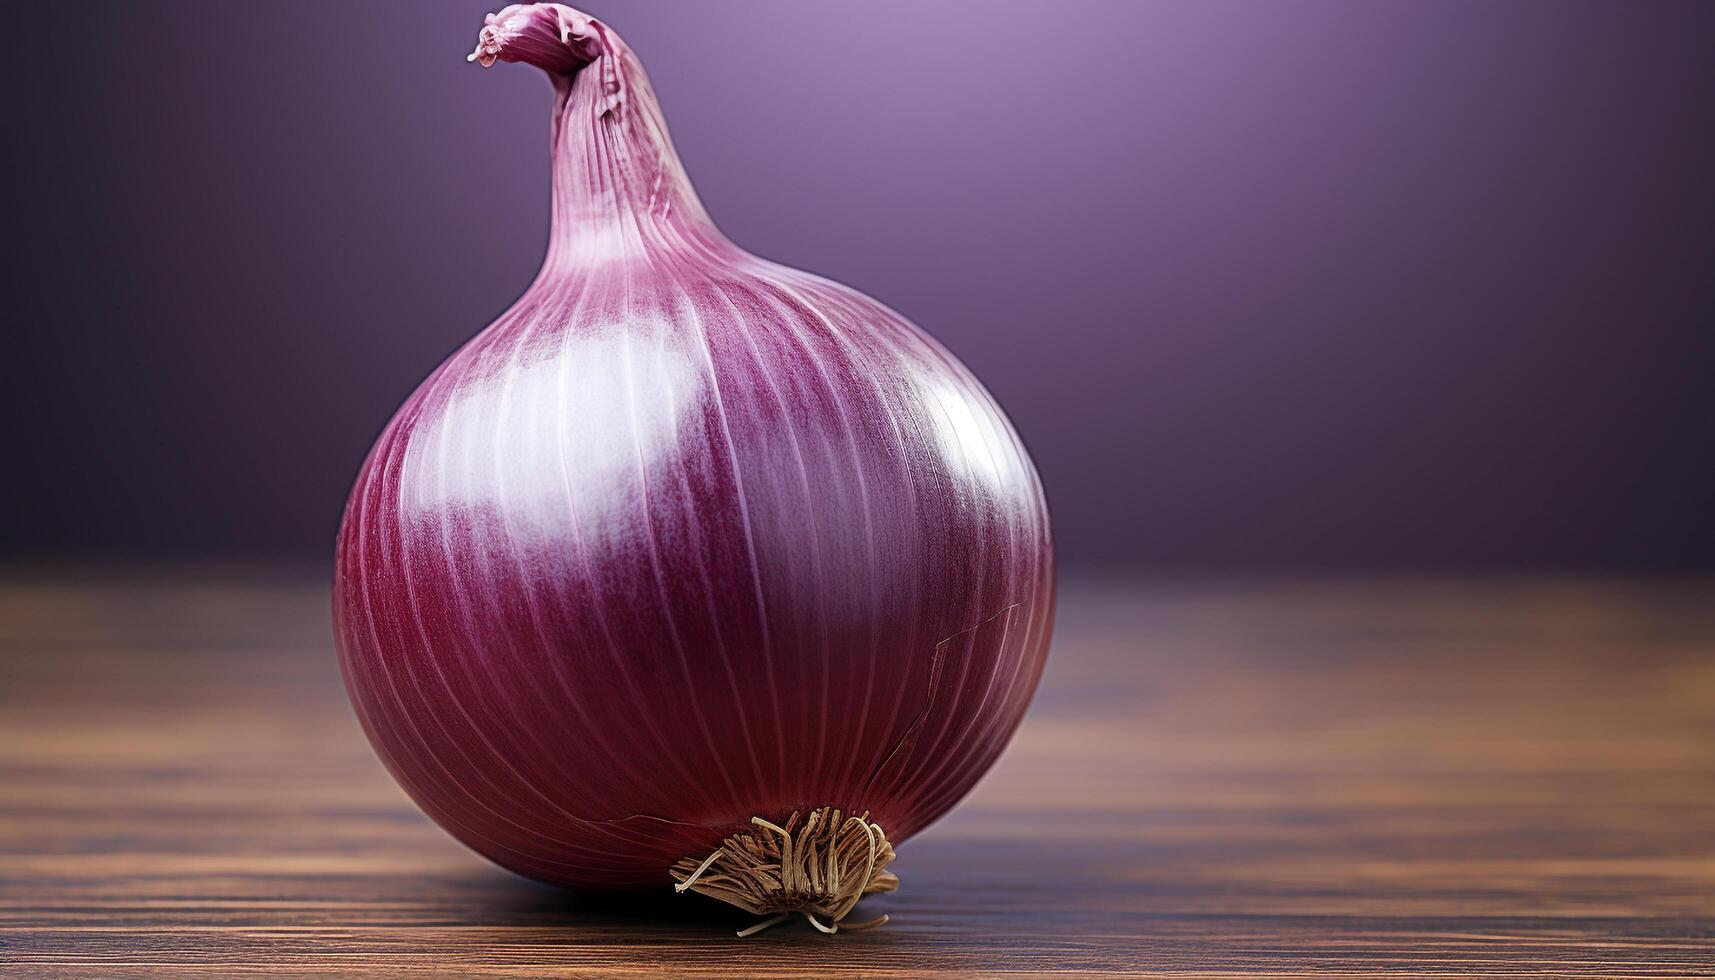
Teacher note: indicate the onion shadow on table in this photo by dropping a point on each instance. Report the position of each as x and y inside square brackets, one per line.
[520, 901]
[640, 916]
[986, 890]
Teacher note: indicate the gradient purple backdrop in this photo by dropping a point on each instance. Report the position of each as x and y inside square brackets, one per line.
[1262, 285]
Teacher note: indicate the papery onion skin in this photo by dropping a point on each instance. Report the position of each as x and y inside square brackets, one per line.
[684, 537]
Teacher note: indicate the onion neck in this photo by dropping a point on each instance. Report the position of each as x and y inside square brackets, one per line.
[620, 193]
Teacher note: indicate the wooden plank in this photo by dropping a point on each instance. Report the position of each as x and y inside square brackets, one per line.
[1412, 778]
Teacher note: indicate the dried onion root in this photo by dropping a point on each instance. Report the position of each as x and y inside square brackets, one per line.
[818, 868]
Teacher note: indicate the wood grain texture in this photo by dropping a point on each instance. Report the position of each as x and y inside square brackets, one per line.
[1416, 778]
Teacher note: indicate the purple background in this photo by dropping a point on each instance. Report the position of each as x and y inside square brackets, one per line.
[1296, 285]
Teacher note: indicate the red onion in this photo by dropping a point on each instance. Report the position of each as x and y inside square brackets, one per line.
[690, 564]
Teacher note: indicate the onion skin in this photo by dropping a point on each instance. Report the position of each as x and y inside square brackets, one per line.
[685, 537]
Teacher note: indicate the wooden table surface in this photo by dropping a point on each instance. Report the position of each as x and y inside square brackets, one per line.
[1240, 779]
